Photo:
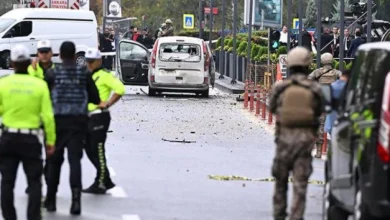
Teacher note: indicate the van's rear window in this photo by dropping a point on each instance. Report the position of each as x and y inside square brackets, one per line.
[180, 52]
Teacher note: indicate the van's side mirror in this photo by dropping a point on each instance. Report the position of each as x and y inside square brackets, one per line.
[327, 95]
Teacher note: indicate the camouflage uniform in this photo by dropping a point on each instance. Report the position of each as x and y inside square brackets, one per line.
[293, 153]
[326, 78]
[169, 31]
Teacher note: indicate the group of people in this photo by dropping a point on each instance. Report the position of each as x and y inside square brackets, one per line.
[71, 104]
[331, 42]
[298, 104]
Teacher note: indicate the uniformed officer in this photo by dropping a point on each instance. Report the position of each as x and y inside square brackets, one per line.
[72, 88]
[39, 66]
[297, 103]
[324, 75]
[24, 102]
[99, 120]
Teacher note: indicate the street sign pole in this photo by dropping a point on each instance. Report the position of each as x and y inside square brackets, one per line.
[369, 19]
[222, 56]
[300, 21]
[211, 24]
[318, 32]
[248, 59]
[235, 18]
[289, 22]
[200, 19]
[342, 43]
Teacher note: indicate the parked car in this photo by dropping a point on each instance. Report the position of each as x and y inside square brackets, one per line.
[181, 64]
[357, 173]
[27, 26]
[133, 63]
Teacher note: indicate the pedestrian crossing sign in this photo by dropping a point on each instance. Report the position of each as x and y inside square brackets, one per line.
[188, 21]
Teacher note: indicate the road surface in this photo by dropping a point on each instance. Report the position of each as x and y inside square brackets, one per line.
[161, 180]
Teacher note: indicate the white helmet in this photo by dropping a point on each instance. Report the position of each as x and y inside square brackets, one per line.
[168, 21]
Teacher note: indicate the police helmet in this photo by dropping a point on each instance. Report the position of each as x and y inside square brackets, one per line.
[326, 58]
[299, 57]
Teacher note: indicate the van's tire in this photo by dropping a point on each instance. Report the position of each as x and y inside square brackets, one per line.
[80, 59]
[205, 94]
[330, 210]
[360, 211]
[152, 92]
[5, 60]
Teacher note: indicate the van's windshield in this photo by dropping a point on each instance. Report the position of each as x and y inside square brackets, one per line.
[180, 52]
[5, 23]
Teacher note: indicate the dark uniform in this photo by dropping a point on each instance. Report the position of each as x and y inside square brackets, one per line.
[24, 102]
[99, 122]
[71, 90]
[297, 103]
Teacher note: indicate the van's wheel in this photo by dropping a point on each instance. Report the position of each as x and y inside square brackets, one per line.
[5, 60]
[205, 94]
[330, 211]
[80, 59]
[152, 92]
[360, 213]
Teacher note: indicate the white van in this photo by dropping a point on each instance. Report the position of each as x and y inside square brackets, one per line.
[27, 26]
[180, 64]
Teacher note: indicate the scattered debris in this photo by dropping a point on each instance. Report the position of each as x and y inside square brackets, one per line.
[176, 141]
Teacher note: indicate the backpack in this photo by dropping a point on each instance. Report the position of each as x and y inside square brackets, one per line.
[297, 105]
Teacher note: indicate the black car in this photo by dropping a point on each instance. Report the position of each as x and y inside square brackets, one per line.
[357, 173]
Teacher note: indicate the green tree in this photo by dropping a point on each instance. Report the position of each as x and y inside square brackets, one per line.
[311, 14]
[336, 9]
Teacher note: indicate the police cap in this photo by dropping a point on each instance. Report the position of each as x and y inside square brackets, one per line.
[20, 54]
[326, 58]
[93, 54]
[44, 46]
[299, 56]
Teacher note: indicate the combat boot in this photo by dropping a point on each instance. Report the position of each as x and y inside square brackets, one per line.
[50, 203]
[75, 208]
[318, 151]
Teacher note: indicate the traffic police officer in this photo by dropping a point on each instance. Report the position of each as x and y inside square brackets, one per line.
[71, 91]
[24, 102]
[39, 67]
[99, 120]
[297, 103]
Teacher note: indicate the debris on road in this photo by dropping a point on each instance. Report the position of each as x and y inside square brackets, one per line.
[176, 141]
[272, 179]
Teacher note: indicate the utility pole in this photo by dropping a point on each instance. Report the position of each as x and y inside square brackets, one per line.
[200, 19]
[222, 55]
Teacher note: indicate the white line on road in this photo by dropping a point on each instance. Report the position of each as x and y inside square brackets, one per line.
[112, 171]
[118, 192]
[130, 217]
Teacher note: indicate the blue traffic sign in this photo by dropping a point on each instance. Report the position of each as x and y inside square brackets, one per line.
[188, 21]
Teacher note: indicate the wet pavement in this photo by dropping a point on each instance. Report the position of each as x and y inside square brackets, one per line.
[160, 152]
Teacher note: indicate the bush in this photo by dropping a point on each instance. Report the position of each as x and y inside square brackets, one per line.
[349, 66]
[260, 33]
[242, 48]
[254, 51]
[218, 44]
[195, 33]
[282, 50]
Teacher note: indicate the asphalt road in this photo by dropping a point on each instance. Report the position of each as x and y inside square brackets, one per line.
[161, 180]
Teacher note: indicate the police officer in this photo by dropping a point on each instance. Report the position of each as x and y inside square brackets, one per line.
[169, 31]
[297, 103]
[39, 67]
[99, 120]
[24, 102]
[324, 75]
[71, 90]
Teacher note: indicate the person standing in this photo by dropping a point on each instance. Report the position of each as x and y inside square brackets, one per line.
[71, 90]
[306, 39]
[336, 41]
[297, 102]
[169, 30]
[160, 31]
[129, 34]
[24, 101]
[99, 121]
[108, 47]
[145, 40]
[324, 75]
[347, 42]
[283, 36]
[355, 44]
[326, 42]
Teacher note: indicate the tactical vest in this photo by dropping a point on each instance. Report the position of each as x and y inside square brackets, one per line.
[296, 108]
[327, 76]
[69, 93]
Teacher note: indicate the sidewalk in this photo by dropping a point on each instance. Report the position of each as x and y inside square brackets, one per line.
[226, 86]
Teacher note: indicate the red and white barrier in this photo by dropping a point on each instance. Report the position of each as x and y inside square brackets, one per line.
[256, 99]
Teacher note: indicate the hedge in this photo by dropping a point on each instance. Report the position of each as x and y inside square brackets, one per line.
[195, 33]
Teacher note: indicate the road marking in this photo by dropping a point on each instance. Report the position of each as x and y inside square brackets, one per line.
[112, 171]
[118, 192]
[130, 217]
[271, 179]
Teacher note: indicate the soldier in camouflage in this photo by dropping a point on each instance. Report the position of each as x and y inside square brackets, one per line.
[169, 31]
[294, 142]
[324, 75]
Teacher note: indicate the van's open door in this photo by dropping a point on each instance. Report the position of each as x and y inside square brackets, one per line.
[133, 62]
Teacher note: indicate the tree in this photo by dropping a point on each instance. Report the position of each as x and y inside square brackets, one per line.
[311, 14]
[336, 9]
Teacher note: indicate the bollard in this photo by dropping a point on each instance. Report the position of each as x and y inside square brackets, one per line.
[246, 94]
[258, 101]
[270, 117]
[263, 105]
[252, 99]
[325, 144]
